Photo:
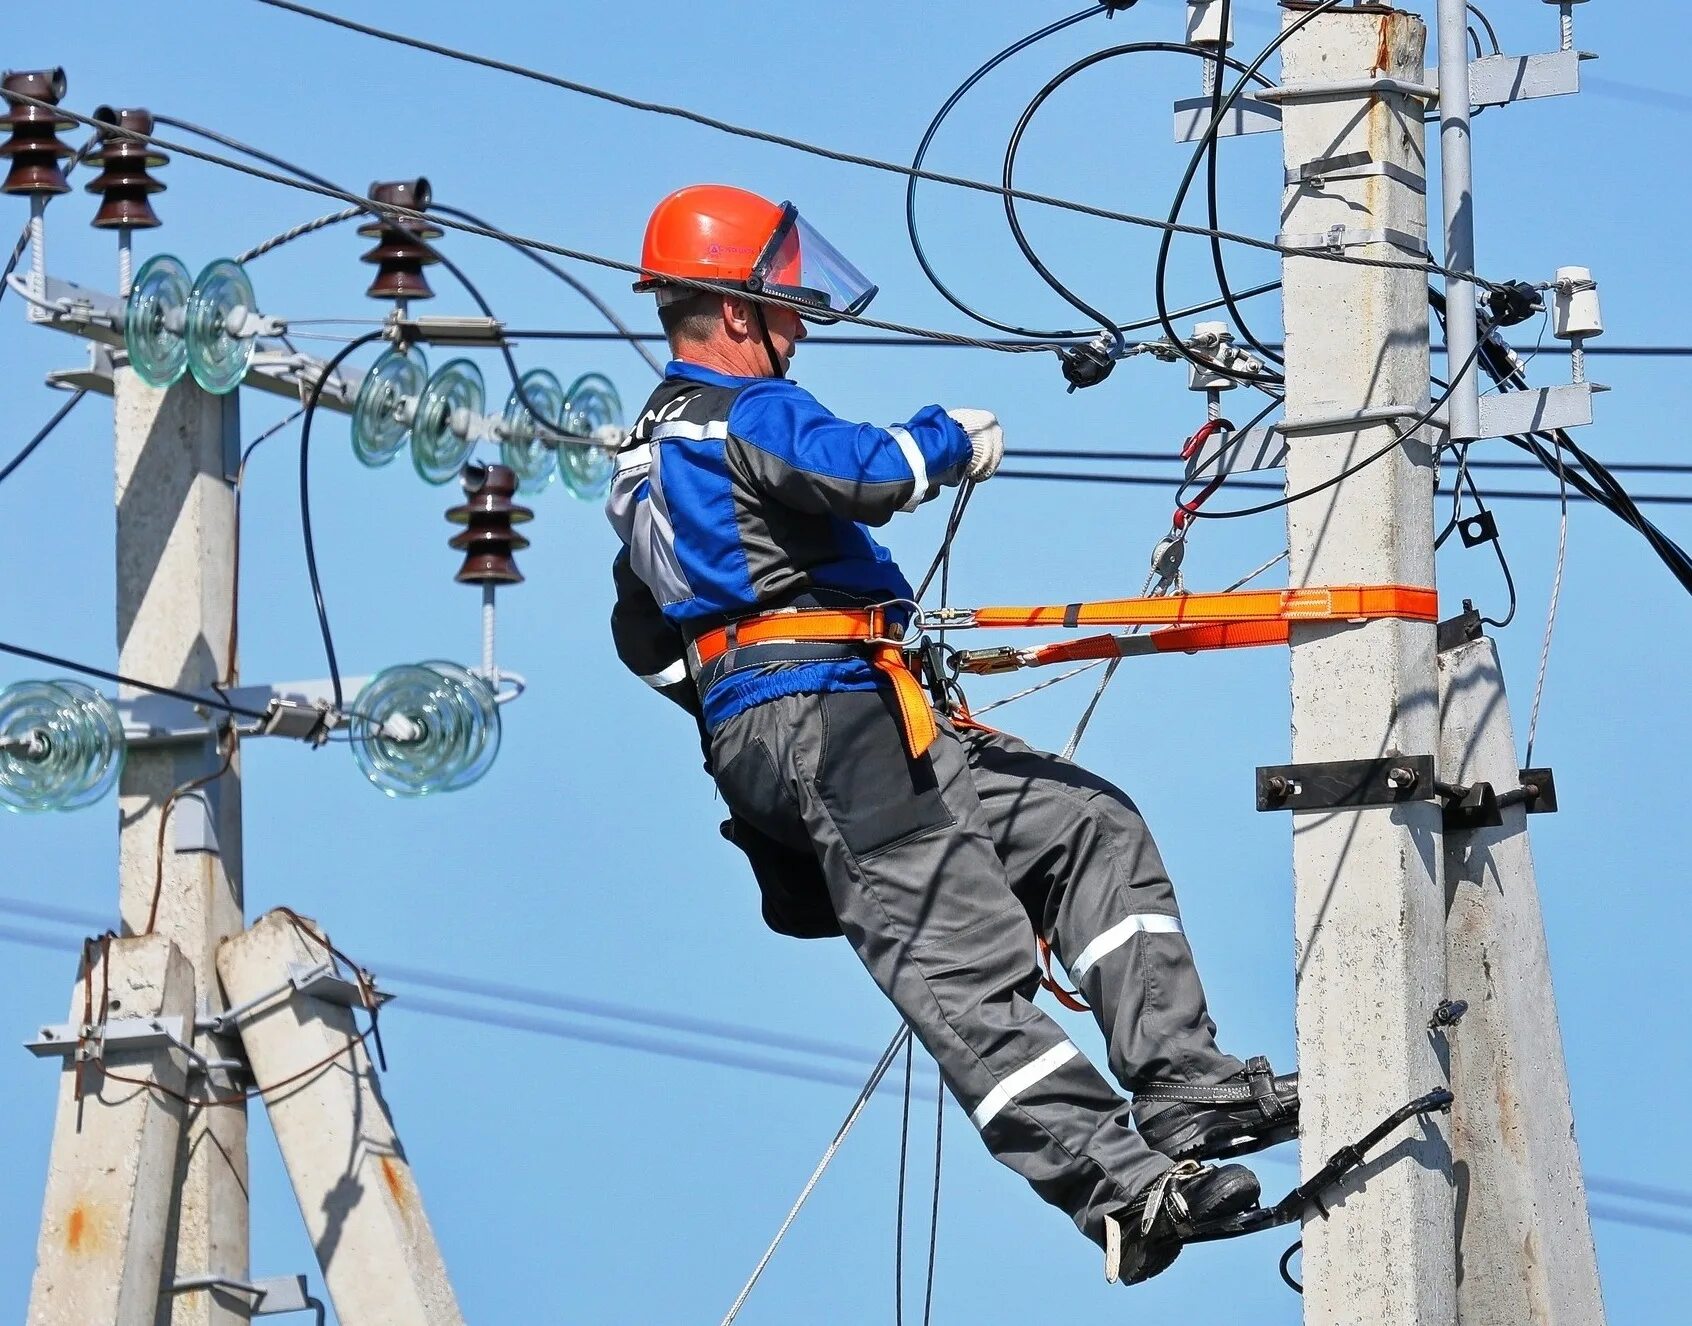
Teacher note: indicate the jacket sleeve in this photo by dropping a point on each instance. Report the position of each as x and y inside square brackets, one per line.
[647, 642]
[790, 447]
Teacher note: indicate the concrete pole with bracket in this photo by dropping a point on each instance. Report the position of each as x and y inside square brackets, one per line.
[111, 1175]
[356, 1192]
[177, 450]
[1524, 1236]
[1369, 913]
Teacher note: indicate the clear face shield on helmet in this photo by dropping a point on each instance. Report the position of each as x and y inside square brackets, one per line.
[800, 266]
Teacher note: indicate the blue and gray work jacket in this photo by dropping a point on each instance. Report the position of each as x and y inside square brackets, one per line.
[736, 496]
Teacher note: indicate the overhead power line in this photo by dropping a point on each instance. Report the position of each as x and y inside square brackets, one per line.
[847, 158]
[1628, 1189]
[1258, 485]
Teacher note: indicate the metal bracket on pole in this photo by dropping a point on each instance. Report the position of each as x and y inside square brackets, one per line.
[299, 709]
[1346, 784]
[95, 377]
[1336, 239]
[1245, 116]
[1353, 166]
[316, 981]
[88, 1041]
[271, 1297]
[1498, 80]
[1348, 87]
[1539, 410]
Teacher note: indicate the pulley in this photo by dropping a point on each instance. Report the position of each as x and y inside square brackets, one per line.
[387, 403]
[593, 413]
[448, 414]
[61, 745]
[155, 320]
[425, 728]
[526, 449]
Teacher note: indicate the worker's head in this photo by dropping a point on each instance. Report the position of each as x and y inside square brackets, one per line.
[768, 269]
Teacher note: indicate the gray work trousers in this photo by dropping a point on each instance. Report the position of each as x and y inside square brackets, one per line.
[936, 867]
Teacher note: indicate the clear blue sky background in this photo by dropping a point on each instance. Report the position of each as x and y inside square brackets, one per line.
[575, 1181]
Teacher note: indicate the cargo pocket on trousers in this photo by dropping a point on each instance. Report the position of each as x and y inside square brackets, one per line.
[756, 793]
[876, 794]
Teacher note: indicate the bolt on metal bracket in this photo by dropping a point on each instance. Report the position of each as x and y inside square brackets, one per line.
[318, 981]
[1353, 166]
[1346, 784]
[90, 1040]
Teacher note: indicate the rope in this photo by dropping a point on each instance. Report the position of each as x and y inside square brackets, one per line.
[304, 228]
[900, 1038]
[1556, 595]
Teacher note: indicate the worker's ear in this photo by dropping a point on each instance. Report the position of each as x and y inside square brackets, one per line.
[737, 316]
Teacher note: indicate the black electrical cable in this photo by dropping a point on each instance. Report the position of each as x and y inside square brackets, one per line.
[1165, 244]
[780, 140]
[1014, 145]
[899, 1207]
[1491, 32]
[29, 447]
[934, 1204]
[1420, 421]
[573, 282]
[1285, 1265]
[118, 679]
[911, 182]
[1503, 561]
[312, 398]
[1213, 206]
[954, 520]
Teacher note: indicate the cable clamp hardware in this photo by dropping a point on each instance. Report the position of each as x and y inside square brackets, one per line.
[304, 722]
[1338, 238]
[1353, 166]
[318, 981]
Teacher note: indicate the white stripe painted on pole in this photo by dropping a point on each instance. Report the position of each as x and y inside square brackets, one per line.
[1145, 923]
[1019, 1081]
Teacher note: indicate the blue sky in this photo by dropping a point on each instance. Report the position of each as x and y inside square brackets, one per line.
[572, 1178]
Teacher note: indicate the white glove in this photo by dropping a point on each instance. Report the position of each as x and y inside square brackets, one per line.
[986, 441]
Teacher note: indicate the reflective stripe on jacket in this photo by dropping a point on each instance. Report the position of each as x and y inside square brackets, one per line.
[740, 495]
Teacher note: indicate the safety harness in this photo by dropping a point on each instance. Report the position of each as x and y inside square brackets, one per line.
[1191, 622]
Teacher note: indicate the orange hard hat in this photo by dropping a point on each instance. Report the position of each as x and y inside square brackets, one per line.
[716, 232]
[707, 232]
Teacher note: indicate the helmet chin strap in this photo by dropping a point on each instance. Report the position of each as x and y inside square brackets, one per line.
[776, 370]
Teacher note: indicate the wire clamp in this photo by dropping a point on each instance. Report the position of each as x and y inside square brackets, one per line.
[1352, 166]
[304, 722]
[1338, 238]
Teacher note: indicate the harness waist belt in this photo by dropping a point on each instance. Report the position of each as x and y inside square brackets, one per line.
[873, 628]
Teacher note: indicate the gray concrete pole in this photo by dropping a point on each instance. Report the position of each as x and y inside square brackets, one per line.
[1458, 199]
[111, 1176]
[1369, 914]
[361, 1205]
[176, 456]
[1524, 1238]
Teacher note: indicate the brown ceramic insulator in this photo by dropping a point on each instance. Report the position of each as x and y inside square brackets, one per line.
[33, 145]
[400, 254]
[124, 181]
[488, 514]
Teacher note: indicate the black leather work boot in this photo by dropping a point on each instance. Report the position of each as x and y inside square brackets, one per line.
[1252, 1110]
[1146, 1236]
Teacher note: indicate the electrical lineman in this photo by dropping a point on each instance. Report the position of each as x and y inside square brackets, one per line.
[929, 841]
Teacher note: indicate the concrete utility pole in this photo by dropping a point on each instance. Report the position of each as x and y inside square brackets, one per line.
[1524, 1237]
[361, 1205]
[177, 450]
[1369, 912]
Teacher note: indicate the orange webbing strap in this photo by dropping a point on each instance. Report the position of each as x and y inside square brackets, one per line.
[915, 717]
[1070, 999]
[1332, 603]
[1170, 640]
[827, 626]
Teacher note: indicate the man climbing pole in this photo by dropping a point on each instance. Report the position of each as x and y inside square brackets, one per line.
[750, 592]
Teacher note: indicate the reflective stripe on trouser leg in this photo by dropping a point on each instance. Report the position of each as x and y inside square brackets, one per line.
[911, 871]
[1086, 868]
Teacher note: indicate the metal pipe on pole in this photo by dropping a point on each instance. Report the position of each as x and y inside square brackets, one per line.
[1457, 198]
